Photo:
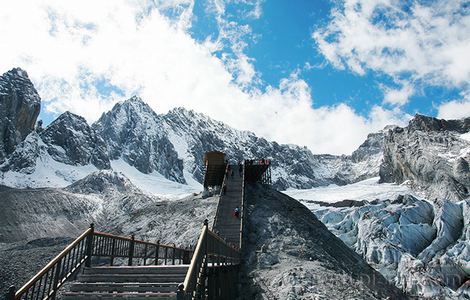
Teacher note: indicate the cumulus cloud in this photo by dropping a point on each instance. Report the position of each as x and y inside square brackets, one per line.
[85, 56]
[427, 42]
[455, 109]
[398, 96]
[234, 36]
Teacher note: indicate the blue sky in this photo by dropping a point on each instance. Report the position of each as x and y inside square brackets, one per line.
[281, 42]
[321, 74]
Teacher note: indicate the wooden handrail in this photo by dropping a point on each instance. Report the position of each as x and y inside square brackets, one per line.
[45, 284]
[201, 257]
[198, 251]
[242, 213]
[220, 195]
[137, 241]
[67, 249]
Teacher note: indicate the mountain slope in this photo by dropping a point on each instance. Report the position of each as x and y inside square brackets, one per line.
[291, 255]
[433, 154]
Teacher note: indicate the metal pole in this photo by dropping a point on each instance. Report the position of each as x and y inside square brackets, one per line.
[206, 228]
[56, 278]
[145, 254]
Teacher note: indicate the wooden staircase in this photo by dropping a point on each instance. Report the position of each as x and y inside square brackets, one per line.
[210, 269]
[226, 224]
[123, 282]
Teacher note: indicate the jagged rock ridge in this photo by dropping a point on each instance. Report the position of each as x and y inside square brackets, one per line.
[432, 154]
[172, 145]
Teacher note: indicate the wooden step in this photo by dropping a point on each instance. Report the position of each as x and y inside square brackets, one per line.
[159, 278]
[124, 287]
[105, 296]
[180, 269]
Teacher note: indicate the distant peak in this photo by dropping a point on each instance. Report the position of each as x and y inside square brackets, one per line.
[135, 102]
[17, 72]
[181, 111]
[70, 117]
[135, 98]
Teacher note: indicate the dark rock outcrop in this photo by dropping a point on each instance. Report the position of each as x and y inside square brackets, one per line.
[19, 109]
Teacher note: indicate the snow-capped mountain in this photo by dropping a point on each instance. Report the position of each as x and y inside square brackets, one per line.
[132, 138]
[416, 234]
[135, 133]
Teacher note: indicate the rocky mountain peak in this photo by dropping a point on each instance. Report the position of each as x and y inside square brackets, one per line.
[70, 118]
[426, 123]
[19, 109]
[72, 141]
[135, 133]
[135, 104]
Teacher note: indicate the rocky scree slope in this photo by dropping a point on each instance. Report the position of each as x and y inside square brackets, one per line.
[290, 254]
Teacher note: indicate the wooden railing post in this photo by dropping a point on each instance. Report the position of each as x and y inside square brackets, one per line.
[145, 254]
[55, 283]
[180, 293]
[113, 246]
[131, 250]
[173, 258]
[157, 251]
[10, 295]
[89, 245]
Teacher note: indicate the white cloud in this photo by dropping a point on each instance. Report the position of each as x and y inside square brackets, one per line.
[234, 35]
[427, 42]
[455, 109]
[67, 47]
[399, 96]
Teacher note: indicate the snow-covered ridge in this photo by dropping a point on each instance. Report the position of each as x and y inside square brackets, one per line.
[169, 146]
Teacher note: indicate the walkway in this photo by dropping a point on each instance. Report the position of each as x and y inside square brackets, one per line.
[226, 224]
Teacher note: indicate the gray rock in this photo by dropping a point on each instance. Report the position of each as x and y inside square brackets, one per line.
[428, 153]
[72, 141]
[19, 109]
[133, 131]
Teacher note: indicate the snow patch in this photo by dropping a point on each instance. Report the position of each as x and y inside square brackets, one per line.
[368, 190]
[465, 136]
[155, 183]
